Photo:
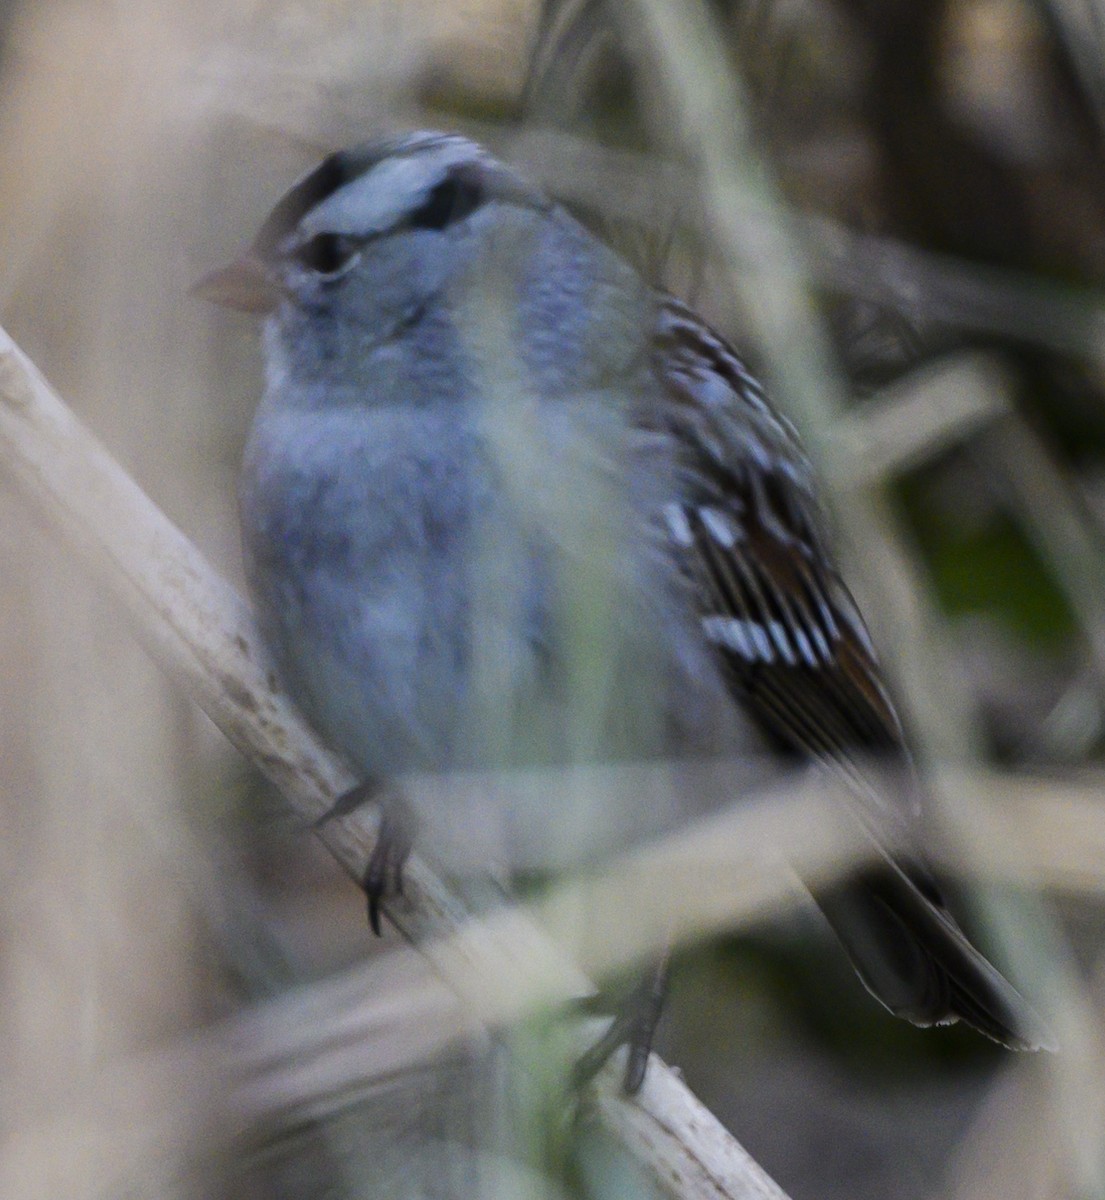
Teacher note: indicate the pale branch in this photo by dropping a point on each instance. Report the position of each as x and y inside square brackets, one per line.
[311, 1053]
[321, 1047]
[203, 636]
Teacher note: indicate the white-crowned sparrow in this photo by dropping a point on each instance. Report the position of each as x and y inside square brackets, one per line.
[502, 501]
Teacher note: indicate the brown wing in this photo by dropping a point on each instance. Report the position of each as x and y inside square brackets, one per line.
[749, 537]
[747, 533]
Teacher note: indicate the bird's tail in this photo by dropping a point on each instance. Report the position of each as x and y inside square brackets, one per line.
[915, 960]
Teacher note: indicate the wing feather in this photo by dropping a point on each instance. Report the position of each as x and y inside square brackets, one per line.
[746, 534]
[769, 597]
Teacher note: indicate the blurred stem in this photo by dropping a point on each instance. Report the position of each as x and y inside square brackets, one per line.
[203, 635]
[917, 418]
[1052, 515]
[1081, 23]
[924, 286]
[706, 110]
[685, 51]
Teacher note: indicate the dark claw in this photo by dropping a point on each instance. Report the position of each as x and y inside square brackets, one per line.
[348, 802]
[634, 1026]
[374, 914]
[384, 875]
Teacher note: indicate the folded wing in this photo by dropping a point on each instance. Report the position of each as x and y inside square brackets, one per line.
[747, 534]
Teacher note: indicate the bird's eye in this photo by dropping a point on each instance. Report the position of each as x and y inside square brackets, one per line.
[326, 253]
[450, 201]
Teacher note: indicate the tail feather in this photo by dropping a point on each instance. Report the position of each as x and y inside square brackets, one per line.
[915, 960]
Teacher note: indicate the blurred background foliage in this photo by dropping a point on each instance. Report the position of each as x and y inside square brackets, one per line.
[942, 172]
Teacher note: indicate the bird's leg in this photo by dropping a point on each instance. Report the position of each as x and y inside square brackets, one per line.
[633, 1026]
[383, 875]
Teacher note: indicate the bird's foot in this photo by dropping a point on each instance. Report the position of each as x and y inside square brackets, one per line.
[633, 1026]
[383, 877]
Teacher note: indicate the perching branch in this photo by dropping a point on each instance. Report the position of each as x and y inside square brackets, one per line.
[202, 634]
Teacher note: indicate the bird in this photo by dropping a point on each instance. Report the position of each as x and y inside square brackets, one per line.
[483, 438]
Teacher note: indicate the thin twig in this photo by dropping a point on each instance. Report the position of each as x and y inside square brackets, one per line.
[315, 1050]
[1051, 513]
[203, 636]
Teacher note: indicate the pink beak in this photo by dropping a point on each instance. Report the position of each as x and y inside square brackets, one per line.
[245, 285]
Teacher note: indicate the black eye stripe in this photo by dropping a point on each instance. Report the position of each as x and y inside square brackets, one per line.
[326, 253]
[453, 199]
[328, 177]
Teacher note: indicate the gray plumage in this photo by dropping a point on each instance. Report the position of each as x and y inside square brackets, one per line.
[504, 503]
